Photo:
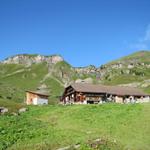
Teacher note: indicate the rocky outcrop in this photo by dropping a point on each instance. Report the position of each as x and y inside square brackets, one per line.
[86, 70]
[87, 80]
[133, 85]
[3, 110]
[32, 59]
[22, 110]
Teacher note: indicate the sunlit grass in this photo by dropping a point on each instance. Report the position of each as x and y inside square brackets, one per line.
[58, 126]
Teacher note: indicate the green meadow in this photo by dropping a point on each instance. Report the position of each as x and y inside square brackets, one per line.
[121, 127]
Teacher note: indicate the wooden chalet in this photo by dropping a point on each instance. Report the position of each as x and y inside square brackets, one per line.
[83, 93]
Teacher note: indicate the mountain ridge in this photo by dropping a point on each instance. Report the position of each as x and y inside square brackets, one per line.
[29, 59]
[43, 57]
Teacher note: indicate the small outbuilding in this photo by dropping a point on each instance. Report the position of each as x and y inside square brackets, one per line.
[36, 98]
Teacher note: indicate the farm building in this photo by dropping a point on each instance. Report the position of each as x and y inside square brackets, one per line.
[83, 93]
[36, 98]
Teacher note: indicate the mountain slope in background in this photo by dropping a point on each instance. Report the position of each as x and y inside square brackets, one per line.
[52, 73]
[132, 70]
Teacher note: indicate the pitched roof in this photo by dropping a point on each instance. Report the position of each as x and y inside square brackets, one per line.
[115, 90]
[43, 93]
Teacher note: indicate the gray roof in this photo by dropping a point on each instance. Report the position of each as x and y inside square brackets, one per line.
[39, 92]
[115, 90]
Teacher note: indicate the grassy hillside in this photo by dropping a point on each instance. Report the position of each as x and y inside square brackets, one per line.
[63, 71]
[140, 56]
[118, 77]
[16, 79]
[52, 127]
[15, 83]
[134, 69]
[12, 106]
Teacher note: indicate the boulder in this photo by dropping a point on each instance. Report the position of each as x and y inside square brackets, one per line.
[78, 81]
[14, 114]
[88, 80]
[3, 110]
[22, 110]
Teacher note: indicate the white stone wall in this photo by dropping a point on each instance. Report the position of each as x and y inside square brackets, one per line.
[39, 101]
[119, 99]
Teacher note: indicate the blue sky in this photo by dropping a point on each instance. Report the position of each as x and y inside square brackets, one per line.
[82, 31]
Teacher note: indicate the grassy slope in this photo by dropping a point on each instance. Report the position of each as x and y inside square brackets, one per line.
[51, 127]
[147, 89]
[118, 78]
[13, 86]
[12, 106]
[141, 56]
[63, 70]
[56, 90]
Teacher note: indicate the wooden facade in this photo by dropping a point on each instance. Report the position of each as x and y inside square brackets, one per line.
[32, 95]
[81, 93]
[72, 96]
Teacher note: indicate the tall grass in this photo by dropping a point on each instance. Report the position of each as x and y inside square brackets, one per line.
[51, 127]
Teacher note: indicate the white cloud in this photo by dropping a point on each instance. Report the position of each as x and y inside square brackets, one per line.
[144, 42]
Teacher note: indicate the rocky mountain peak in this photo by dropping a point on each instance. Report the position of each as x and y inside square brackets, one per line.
[26, 59]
